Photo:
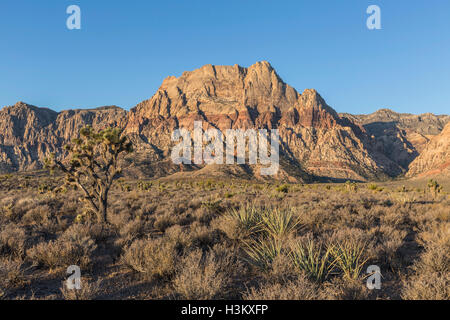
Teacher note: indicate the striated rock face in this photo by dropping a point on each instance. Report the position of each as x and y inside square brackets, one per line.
[315, 140]
[29, 133]
[435, 158]
[400, 136]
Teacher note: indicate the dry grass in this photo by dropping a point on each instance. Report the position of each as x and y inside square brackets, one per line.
[63, 252]
[299, 289]
[11, 275]
[203, 276]
[89, 290]
[151, 257]
[226, 239]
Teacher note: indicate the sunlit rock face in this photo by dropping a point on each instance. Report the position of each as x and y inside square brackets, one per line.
[315, 141]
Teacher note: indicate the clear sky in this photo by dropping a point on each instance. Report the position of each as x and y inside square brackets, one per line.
[126, 48]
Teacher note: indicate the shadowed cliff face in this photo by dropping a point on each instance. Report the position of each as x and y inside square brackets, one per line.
[435, 158]
[401, 137]
[315, 140]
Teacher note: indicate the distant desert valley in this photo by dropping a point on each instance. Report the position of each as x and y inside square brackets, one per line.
[352, 191]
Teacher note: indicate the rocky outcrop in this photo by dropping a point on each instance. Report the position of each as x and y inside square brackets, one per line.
[315, 141]
[400, 136]
[435, 158]
[29, 133]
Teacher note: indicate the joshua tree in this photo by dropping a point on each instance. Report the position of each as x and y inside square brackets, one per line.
[93, 165]
[434, 187]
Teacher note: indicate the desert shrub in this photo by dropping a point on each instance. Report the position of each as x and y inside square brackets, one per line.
[229, 226]
[374, 187]
[151, 257]
[70, 249]
[203, 236]
[228, 195]
[203, 215]
[351, 186]
[13, 240]
[281, 269]
[89, 290]
[431, 272]
[120, 216]
[277, 196]
[389, 241]
[396, 216]
[135, 229]
[38, 215]
[404, 197]
[144, 185]
[212, 206]
[164, 221]
[95, 231]
[181, 238]
[284, 188]
[298, 289]
[435, 234]
[345, 289]
[15, 208]
[11, 275]
[315, 218]
[407, 239]
[429, 286]
[203, 276]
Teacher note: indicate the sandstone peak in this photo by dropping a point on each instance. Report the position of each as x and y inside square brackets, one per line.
[314, 136]
[314, 139]
[220, 90]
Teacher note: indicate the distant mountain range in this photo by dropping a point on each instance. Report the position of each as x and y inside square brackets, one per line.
[317, 143]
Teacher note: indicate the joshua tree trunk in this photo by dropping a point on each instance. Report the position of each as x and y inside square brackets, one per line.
[103, 206]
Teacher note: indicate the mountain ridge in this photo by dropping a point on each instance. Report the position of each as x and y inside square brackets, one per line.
[316, 141]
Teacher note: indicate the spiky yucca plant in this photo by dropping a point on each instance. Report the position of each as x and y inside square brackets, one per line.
[248, 218]
[313, 259]
[278, 223]
[262, 252]
[350, 257]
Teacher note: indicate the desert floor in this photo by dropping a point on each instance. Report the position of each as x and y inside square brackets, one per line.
[231, 239]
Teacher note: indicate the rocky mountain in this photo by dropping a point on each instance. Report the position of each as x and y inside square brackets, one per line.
[29, 133]
[315, 141]
[400, 136]
[435, 158]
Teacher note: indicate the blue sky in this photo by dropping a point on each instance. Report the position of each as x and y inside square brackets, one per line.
[126, 48]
